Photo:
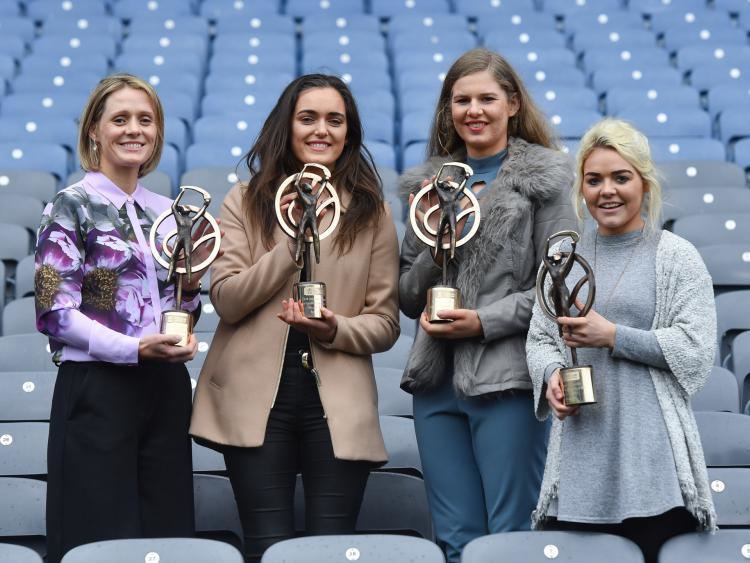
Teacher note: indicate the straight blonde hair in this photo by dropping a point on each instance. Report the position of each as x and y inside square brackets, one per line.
[631, 145]
[94, 109]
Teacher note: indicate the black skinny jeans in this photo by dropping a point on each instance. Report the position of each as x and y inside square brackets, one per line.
[297, 441]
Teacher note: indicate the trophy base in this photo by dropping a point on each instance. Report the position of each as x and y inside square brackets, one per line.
[313, 297]
[441, 298]
[578, 385]
[177, 323]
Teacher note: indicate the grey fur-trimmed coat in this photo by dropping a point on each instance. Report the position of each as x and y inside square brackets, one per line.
[525, 204]
[685, 327]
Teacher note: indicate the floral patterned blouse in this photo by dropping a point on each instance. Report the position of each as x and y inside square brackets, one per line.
[98, 288]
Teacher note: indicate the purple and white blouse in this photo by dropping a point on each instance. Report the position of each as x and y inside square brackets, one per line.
[98, 288]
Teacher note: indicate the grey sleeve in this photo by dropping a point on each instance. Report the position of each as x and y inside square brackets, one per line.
[639, 346]
[418, 272]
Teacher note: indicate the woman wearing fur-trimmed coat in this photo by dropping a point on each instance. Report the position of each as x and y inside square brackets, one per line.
[482, 449]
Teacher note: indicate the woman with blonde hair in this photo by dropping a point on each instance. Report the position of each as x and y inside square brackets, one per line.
[482, 450]
[631, 464]
[119, 457]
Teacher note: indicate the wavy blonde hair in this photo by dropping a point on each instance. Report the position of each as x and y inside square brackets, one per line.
[631, 145]
[94, 110]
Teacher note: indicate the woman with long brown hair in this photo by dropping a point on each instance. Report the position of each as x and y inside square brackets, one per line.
[482, 449]
[280, 393]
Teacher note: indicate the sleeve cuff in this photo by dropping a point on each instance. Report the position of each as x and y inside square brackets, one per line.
[111, 346]
[550, 369]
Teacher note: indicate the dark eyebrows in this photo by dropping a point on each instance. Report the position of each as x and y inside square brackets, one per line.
[614, 172]
[313, 112]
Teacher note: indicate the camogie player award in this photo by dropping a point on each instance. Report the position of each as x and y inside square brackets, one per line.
[577, 381]
[176, 253]
[301, 221]
[454, 202]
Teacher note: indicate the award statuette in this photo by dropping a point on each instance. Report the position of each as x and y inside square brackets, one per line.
[577, 381]
[450, 188]
[178, 245]
[311, 203]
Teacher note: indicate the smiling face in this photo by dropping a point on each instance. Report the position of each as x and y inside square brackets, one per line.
[126, 132]
[319, 126]
[613, 191]
[480, 109]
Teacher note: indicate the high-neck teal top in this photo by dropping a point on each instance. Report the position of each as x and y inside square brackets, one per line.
[485, 170]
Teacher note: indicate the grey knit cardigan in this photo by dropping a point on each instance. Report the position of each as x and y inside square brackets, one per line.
[685, 327]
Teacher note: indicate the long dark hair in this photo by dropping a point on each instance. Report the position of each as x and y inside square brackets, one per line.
[528, 123]
[271, 159]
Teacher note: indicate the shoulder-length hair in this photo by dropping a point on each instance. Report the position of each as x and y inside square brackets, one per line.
[631, 145]
[94, 109]
[271, 159]
[528, 123]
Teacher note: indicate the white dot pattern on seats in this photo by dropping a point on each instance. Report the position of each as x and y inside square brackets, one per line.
[708, 198]
[28, 386]
[730, 224]
[250, 79]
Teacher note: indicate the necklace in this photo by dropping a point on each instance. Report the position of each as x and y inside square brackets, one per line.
[639, 240]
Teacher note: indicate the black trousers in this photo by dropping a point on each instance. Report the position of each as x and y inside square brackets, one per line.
[119, 455]
[297, 441]
[649, 533]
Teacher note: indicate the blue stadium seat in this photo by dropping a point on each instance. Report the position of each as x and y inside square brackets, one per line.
[24, 352]
[682, 17]
[195, 25]
[330, 8]
[173, 80]
[484, 8]
[378, 126]
[741, 151]
[552, 76]
[251, 106]
[594, 19]
[201, 155]
[425, 39]
[266, 83]
[656, 99]
[734, 6]
[41, 185]
[227, 9]
[362, 80]
[56, 130]
[146, 64]
[375, 547]
[165, 44]
[437, 24]
[195, 550]
[729, 264]
[392, 400]
[436, 61]
[41, 10]
[226, 129]
[573, 123]
[18, 554]
[509, 21]
[130, 9]
[647, 77]
[706, 76]
[24, 281]
[54, 84]
[348, 23]
[10, 10]
[378, 101]
[677, 122]
[425, 82]
[676, 38]
[17, 26]
[414, 155]
[571, 8]
[80, 26]
[719, 394]
[539, 39]
[19, 314]
[740, 356]
[681, 202]
[22, 507]
[62, 45]
[656, 6]
[608, 56]
[175, 132]
[35, 156]
[328, 62]
[260, 21]
[240, 62]
[13, 45]
[417, 100]
[705, 174]
[734, 123]
[77, 62]
[615, 36]
[258, 43]
[690, 148]
[724, 545]
[726, 96]
[691, 56]
[716, 228]
[7, 67]
[390, 8]
[537, 547]
[726, 443]
[178, 104]
[382, 153]
[554, 99]
[544, 58]
[415, 127]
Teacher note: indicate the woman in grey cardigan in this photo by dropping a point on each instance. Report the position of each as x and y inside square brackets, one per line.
[631, 464]
[482, 449]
